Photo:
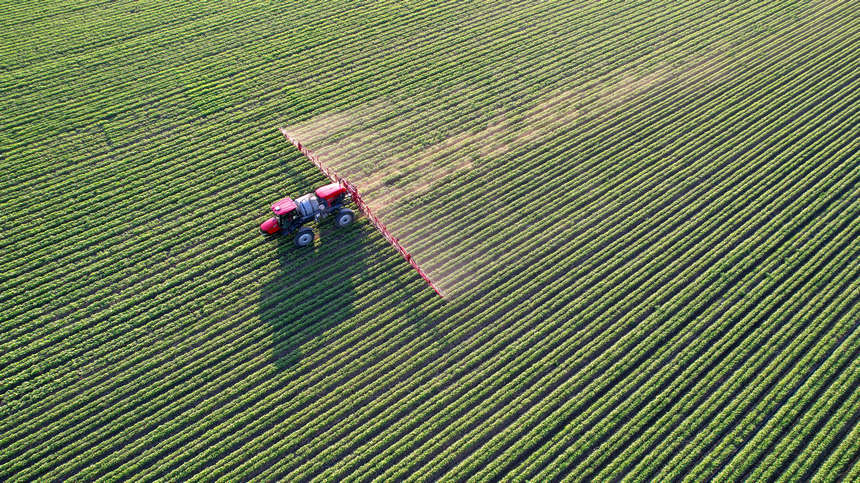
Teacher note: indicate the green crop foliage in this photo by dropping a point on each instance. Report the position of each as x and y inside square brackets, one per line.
[646, 215]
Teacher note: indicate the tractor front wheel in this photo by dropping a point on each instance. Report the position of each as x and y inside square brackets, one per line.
[344, 217]
[304, 237]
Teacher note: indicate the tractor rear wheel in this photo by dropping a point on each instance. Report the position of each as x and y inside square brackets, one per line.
[304, 237]
[344, 217]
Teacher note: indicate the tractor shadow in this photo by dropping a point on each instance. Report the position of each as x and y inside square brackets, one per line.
[312, 290]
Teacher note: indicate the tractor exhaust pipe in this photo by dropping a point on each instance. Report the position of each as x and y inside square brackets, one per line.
[362, 206]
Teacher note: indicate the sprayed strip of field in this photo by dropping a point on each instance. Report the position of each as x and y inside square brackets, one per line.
[374, 146]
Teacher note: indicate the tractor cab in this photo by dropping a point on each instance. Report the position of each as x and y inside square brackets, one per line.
[284, 211]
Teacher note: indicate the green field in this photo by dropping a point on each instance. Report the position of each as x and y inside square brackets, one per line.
[646, 216]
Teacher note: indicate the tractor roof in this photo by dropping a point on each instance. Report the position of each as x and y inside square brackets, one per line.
[285, 205]
[329, 190]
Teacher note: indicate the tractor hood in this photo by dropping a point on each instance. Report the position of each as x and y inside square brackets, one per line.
[283, 206]
[270, 226]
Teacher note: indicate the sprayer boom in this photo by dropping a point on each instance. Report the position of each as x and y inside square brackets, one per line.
[362, 206]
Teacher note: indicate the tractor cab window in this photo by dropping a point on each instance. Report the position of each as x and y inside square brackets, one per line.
[286, 218]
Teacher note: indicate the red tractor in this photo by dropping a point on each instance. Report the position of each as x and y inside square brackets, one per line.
[290, 216]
